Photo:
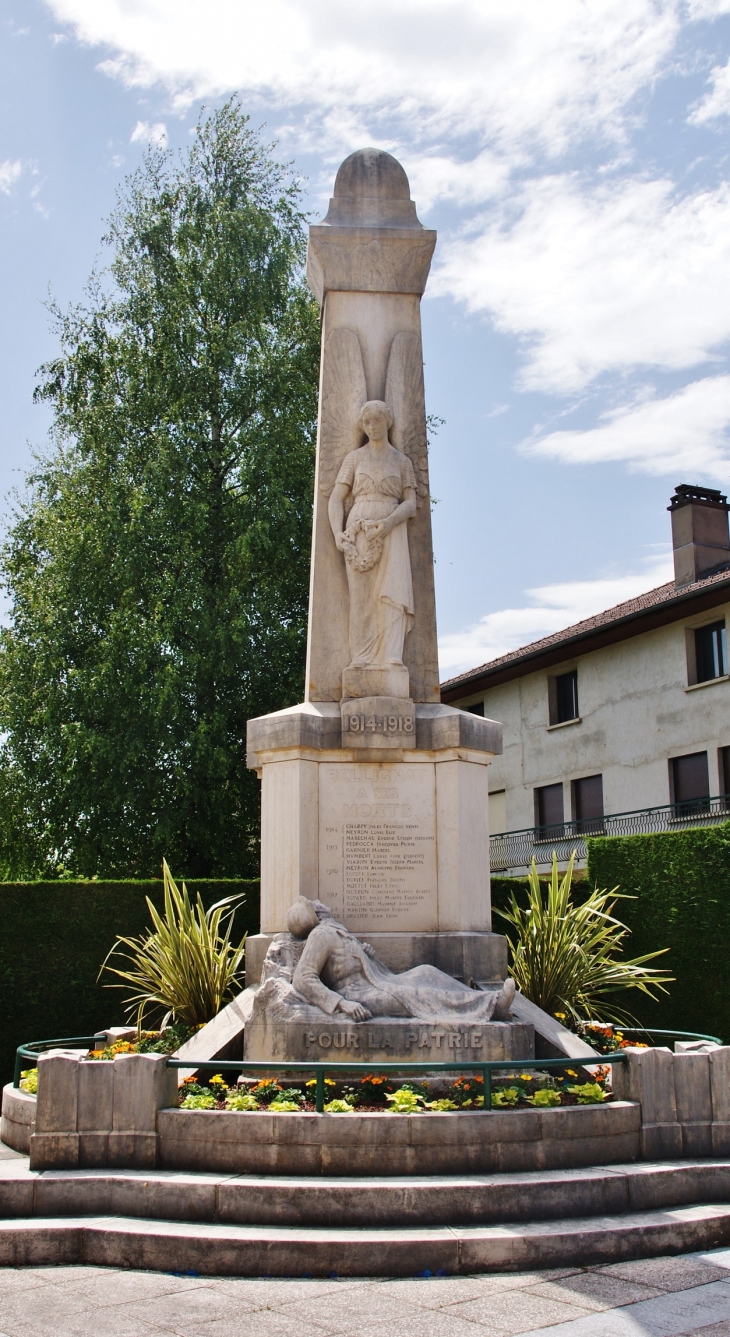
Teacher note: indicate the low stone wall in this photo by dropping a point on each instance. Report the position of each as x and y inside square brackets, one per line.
[124, 1114]
[684, 1101]
[95, 1114]
[389, 1144]
[18, 1117]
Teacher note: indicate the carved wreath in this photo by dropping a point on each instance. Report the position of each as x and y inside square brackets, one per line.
[362, 561]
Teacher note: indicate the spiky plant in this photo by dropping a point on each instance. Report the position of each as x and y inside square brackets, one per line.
[187, 967]
[566, 957]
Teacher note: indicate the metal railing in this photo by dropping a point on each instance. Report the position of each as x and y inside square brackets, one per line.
[653, 1030]
[34, 1048]
[516, 849]
[321, 1070]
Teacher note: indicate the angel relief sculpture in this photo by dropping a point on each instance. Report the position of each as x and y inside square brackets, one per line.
[374, 490]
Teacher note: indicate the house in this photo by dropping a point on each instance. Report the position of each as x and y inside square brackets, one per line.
[621, 723]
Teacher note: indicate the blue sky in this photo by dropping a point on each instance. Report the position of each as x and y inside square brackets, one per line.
[573, 156]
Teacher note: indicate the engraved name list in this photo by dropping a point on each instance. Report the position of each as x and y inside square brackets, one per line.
[377, 858]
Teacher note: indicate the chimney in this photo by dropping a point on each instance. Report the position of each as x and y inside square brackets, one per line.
[700, 535]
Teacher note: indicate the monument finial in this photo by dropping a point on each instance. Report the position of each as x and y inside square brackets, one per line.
[371, 190]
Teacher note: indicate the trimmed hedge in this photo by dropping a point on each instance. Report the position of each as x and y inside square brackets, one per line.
[681, 884]
[53, 939]
[681, 881]
[502, 888]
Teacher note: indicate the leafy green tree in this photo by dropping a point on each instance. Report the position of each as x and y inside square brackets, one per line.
[157, 568]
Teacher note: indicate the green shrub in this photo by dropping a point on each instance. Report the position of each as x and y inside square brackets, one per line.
[186, 967]
[198, 1102]
[404, 1101]
[242, 1101]
[568, 955]
[681, 881]
[589, 1093]
[53, 939]
[544, 1098]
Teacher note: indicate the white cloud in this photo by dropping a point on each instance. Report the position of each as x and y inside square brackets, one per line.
[440, 177]
[717, 101]
[684, 433]
[551, 608]
[144, 133]
[514, 70]
[10, 171]
[625, 274]
[708, 9]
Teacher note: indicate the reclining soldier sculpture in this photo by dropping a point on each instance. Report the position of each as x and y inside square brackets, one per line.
[338, 973]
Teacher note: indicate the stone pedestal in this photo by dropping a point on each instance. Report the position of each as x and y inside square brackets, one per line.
[394, 839]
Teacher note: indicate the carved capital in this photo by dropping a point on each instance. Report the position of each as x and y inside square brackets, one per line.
[368, 259]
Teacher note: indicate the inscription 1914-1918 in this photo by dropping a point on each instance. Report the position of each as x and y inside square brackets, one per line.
[387, 724]
[378, 722]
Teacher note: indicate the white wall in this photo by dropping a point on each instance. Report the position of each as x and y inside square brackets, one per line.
[635, 713]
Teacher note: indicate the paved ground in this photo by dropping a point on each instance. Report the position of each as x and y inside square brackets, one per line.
[661, 1297]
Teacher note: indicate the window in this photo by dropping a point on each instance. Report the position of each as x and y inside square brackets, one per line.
[563, 697]
[548, 809]
[497, 812]
[476, 709]
[689, 784]
[711, 651]
[587, 795]
[723, 757]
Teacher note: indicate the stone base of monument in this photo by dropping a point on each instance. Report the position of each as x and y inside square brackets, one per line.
[387, 1039]
[393, 838]
[368, 1194]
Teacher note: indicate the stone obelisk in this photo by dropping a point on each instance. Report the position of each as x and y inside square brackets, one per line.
[367, 264]
[374, 795]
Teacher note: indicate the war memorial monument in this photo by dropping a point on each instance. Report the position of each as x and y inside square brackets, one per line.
[375, 911]
[375, 942]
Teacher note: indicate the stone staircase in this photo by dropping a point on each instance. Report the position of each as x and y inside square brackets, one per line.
[217, 1224]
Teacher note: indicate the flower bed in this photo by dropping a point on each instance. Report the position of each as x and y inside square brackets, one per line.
[374, 1094]
[606, 1039]
[149, 1042]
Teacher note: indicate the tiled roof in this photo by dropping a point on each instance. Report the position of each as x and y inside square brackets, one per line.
[663, 595]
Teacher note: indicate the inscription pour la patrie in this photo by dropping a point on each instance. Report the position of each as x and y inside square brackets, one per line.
[375, 1039]
[378, 845]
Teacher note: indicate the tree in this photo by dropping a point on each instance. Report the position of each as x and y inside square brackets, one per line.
[158, 567]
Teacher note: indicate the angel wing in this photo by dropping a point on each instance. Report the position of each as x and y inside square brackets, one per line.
[343, 395]
[404, 394]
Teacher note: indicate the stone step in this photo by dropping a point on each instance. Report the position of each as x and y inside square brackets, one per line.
[207, 1249]
[389, 1202]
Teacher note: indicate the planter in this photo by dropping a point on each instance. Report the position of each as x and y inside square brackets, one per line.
[18, 1118]
[404, 1144]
